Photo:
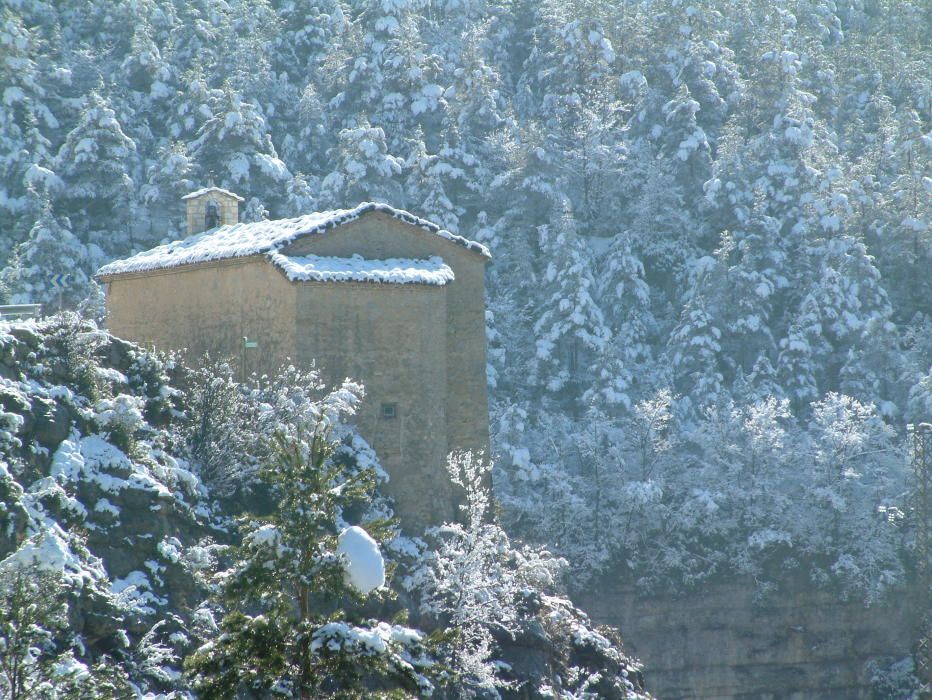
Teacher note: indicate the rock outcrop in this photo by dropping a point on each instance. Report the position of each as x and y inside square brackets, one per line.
[88, 486]
[92, 488]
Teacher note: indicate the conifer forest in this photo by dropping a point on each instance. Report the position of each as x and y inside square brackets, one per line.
[709, 329]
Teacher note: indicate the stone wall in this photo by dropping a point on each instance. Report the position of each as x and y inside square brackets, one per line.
[421, 348]
[228, 209]
[800, 644]
[209, 308]
[392, 338]
[377, 235]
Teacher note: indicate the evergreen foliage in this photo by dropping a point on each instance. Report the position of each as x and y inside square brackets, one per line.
[293, 626]
[722, 203]
[36, 661]
[117, 560]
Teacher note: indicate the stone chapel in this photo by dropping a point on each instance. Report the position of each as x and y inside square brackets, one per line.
[372, 293]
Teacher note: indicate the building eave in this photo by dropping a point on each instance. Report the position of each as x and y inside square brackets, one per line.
[337, 219]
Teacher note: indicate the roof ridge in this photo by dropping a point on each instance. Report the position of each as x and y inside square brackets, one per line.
[212, 188]
[267, 236]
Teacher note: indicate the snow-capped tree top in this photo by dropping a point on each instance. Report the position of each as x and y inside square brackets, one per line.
[363, 566]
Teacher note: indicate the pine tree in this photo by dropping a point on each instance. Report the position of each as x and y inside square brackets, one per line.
[96, 163]
[626, 297]
[189, 107]
[663, 231]
[473, 582]
[570, 93]
[50, 250]
[430, 176]
[364, 169]
[758, 273]
[25, 123]
[309, 30]
[144, 70]
[234, 143]
[294, 624]
[800, 354]
[38, 660]
[168, 179]
[852, 474]
[571, 326]
[695, 344]
[389, 77]
[844, 309]
[311, 135]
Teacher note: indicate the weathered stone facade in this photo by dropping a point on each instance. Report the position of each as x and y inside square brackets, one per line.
[722, 643]
[419, 349]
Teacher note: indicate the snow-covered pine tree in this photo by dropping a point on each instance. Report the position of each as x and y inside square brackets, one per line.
[853, 474]
[467, 586]
[168, 179]
[144, 69]
[388, 77]
[571, 327]
[38, 659]
[363, 169]
[860, 327]
[25, 119]
[234, 143]
[626, 297]
[800, 354]
[293, 621]
[757, 262]
[430, 176]
[96, 164]
[570, 92]
[308, 32]
[189, 107]
[844, 309]
[695, 344]
[778, 204]
[51, 250]
[663, 231]
[310, 136]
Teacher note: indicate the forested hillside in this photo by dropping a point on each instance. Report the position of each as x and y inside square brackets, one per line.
[160, 526]
[709, 302]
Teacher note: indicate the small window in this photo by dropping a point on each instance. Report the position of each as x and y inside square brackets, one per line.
[389, 410]
[212, 215]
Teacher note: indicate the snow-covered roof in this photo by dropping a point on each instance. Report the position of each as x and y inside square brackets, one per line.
[315, 268]
[218, 190]
[265, 237]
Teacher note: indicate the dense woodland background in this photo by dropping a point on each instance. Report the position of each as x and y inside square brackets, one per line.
[709, 305]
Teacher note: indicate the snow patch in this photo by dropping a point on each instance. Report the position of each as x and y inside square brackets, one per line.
[363, 567]
[208, 190]
[313, 268]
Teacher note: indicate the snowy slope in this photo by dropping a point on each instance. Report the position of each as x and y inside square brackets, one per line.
[88, 492]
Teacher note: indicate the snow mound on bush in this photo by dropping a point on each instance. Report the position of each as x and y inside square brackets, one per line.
[363, 564]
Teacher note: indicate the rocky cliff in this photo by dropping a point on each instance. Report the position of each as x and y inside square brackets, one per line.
[725, 642]
[89, 489]
[93, 489]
